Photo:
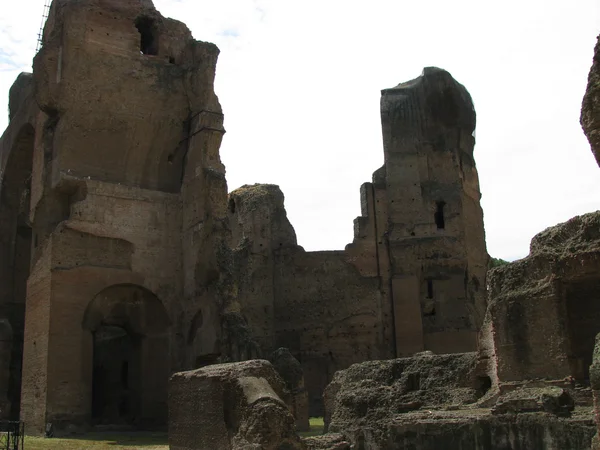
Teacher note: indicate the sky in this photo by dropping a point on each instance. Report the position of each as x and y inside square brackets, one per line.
[300, 82]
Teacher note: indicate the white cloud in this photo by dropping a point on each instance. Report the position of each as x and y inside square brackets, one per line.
[300, 84]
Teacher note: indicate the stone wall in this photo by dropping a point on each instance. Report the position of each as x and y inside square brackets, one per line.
[317, 304]
[543, 310]
[113, 194]
[428, 402]
[112, 190]
[413, 279]
[590, 109]
[240, 405]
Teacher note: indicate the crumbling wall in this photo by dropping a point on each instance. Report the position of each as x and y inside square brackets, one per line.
[123, 186]
[429, 402]
[434, 231]
[590, 109]
[327, 314]
[316, 304]
[230, 406]
[414, 276]
[543, 310]
[595, 384]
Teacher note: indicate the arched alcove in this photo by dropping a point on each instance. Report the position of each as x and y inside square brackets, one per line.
[130, 357]
[15, 251]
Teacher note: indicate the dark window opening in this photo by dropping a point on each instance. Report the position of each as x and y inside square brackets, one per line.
[148, 36]
[171, 60]
[439, 215]
[484, 384]
[232, 206]
[429, 288]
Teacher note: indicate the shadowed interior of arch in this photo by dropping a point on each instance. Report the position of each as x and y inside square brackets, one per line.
[130, 356]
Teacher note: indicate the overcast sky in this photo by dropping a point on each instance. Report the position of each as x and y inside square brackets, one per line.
[300, 81]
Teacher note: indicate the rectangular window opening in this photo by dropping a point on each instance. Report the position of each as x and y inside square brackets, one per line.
[439, 215]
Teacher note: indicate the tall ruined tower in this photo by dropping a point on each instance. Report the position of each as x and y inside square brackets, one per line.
[112, 196]
[413, 279]
[434, 229]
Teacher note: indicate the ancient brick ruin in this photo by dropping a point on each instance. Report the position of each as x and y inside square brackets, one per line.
[414, 277]
[125, 261]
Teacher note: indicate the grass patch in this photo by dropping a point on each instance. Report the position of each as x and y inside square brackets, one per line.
[127, 440]
[101, 441]
[316, 427]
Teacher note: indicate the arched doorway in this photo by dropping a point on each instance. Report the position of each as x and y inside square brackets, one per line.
[15, 252]
[130, 357]
[115, 378]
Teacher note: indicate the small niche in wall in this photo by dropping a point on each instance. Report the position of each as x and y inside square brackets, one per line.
[148, 35]
[439, 215]
[429, 288]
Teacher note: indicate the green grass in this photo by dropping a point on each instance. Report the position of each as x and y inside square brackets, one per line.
[316, 427]
[101, 441]
[126, 440]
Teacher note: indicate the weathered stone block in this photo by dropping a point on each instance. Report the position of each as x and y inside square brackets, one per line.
[550, 399]
[230, 406]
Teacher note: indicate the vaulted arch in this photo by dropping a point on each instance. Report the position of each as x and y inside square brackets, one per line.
[130, 358]
[15, 252]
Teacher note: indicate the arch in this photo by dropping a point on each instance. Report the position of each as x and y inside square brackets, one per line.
[129, 306]
[129, 329]
[15, 250]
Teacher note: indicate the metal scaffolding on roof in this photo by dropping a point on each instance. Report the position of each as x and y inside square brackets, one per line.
[41, 32]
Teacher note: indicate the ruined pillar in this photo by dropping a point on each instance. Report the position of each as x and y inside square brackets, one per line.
[434, 230]
[204, 202]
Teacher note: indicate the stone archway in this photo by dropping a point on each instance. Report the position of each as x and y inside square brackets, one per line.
[15, 253]
[130, 357]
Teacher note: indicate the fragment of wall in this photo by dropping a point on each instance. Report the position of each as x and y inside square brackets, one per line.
[317, 304]
[437, 266]
[16, 154]
[543, 314]
[590, 109]
[433, 401]
[118, 126]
